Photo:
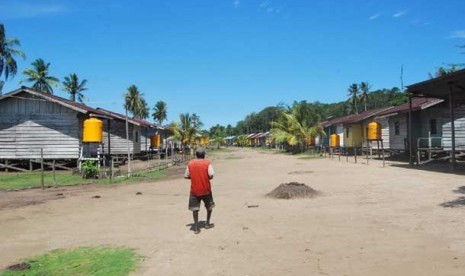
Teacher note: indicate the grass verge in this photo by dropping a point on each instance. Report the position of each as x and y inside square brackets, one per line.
[83, 261]
[13, 181]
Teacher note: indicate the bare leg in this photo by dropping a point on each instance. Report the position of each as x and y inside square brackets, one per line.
[209, 225]
[196, 221]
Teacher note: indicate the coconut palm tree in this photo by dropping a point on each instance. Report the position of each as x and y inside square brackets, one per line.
[364, 93]
[353, 94]
[135, 103]
[74, 87]
[295, 130]
[187, 128]
[160, 112]
[39, 76]
[143, 109]
[8, 52]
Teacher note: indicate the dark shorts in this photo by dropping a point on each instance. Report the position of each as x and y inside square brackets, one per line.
[194, 202]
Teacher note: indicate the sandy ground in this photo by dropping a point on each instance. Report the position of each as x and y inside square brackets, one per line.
[368, 220]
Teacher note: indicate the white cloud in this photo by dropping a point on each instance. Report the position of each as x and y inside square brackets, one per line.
[421, 23]
[399, 14]
[237, 3]
[15, 9]
[374, 16]
[264, 4]
[458, 34]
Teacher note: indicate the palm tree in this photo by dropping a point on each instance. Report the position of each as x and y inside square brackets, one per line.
[159, 112]
[8, 52]
[135, 103]
[143, 109]
[38, 75]
[295, 130]
[442, 71]
[364, 92]
[72, 85]
[353, 94]
[186, 130]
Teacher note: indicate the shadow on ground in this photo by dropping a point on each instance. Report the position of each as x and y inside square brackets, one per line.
[459, 202]
[440, 167]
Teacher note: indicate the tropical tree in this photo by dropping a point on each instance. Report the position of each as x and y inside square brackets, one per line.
[442, 71]
[8, 52]
[353, 94]
[187, 128]
[364, 93]
[160, 112]
[135, 103]
[39, 76]
[74, 87]
[295, 129]
[143, 110]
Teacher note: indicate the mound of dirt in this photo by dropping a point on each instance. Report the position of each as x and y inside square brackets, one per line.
[19, 267]
[292, 190]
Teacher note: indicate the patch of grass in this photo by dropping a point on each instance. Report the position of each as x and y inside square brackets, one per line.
[221, 149]
[231, 157]
[310, 157]
[81, 261]
[137, 177]
[25, 180]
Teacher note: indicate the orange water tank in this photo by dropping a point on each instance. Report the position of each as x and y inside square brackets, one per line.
[155, 141]
[374, 131]
[334, 140]
[93, 131]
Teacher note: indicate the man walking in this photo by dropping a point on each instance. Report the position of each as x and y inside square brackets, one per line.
[200, 172]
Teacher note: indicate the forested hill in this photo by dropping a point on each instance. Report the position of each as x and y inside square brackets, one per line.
[260, 121]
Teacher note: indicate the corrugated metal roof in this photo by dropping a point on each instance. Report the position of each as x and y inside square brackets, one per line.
[79, 107]
[440, 87]
[366, 115]
[417, 104]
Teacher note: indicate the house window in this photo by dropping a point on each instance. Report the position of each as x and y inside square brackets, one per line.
[433, 126]
[396, 128]
[347, 132]
[137, 137]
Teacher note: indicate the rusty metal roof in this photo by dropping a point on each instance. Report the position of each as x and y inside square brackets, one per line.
[440, 87]
[417, 104]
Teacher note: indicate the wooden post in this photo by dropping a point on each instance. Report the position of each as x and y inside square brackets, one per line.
[111, 169]
[410, 136]
[6, 163]
[355, 151]
[382, 149]
[452, 125]
[127, 143]
[53, 173]
[42, 168]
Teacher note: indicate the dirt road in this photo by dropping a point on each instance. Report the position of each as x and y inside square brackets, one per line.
[368, 220]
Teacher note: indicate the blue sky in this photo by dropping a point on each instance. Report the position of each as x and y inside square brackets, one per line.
[223, 59]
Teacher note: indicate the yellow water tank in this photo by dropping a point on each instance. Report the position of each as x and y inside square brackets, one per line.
[93, 131]
[155, 141]
[374, 131]
[334, 140]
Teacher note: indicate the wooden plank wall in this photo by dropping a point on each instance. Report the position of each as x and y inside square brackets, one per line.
[118, 140]
[459, 129]
[28, 124]
[397, 142]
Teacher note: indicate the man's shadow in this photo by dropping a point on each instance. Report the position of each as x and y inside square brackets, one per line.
[201, 225]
